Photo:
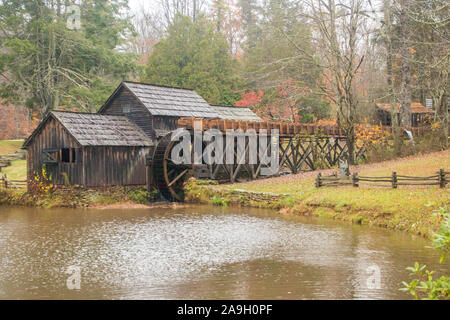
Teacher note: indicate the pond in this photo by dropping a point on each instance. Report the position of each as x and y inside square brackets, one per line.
[200, 252]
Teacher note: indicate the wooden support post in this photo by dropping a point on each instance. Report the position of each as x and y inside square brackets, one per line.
[442, 181]
[6, 181]
[355, 180]
[319, 180]
[394, 180]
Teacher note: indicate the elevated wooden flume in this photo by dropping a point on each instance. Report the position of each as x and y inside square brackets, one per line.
[285, 128]
[302, 147]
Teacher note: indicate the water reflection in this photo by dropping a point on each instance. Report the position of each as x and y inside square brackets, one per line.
[198, 253]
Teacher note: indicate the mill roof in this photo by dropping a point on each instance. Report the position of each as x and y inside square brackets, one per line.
[416, 107]
[170, 101]
[236, 113]
[90, 129]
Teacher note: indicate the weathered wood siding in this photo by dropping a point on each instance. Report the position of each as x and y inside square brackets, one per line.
[54, 136]
[110, 166]
[138, 113]
[165, 123]
[93, 167]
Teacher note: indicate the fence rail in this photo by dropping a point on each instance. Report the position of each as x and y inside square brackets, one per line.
[11, 184]
[441, 179]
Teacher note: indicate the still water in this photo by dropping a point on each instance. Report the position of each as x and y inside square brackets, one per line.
[199, 252]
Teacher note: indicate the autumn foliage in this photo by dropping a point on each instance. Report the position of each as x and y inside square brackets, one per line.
[15, 122]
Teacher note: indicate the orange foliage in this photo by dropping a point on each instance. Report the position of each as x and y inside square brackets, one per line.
[327, 122]
[15, 122]
[367, 134]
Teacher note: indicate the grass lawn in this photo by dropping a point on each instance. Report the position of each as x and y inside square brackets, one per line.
[17, 170]
[407, 207]
[10, 146]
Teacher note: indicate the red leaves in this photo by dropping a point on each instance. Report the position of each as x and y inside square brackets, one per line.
[250, 99]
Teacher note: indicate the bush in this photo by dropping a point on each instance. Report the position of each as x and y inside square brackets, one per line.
[383, 149]
[221, 202]
[423, 286]
[142, 196]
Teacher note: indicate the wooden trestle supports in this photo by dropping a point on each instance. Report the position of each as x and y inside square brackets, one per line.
[301, 146]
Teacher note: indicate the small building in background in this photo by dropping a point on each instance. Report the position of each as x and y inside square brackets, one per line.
[88, 149]
[420, 115]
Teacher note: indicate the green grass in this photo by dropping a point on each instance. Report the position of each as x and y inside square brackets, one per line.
[17, 170]
[10, 146]
[405, 208]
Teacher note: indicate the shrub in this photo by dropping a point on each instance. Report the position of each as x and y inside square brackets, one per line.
[142, 196]
[221, 202]
[423, 286]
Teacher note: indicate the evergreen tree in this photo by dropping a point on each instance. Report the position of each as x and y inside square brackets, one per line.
[195, 56]
[47, 63]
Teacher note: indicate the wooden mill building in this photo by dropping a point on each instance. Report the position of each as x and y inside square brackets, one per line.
[419, 113]
[91, 149]
[111, 147]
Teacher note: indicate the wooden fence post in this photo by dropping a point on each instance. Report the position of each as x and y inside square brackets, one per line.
[6, 181]
[394, 180]
[355, 180]
[442, 181]
[319, 180]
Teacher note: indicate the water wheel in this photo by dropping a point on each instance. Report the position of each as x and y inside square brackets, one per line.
[168, 177]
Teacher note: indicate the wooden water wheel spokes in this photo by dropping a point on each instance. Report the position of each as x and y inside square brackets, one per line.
[169, 177]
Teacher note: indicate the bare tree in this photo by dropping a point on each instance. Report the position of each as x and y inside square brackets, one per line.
[432, 59]
[405, 60]
[190, 8]
[387, 32]
[340, 26]
[149, 28]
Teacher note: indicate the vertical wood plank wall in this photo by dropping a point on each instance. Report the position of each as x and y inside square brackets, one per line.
[94, 166]
[138, 113]
[54, 136]
[110, 166]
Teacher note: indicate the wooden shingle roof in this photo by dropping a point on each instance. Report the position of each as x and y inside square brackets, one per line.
[236, 113]
[167, 101]
[416, 107]
[102, 130]
[90, 129]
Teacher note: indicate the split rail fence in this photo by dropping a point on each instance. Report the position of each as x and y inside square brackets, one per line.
[441, 179]
[11, 184]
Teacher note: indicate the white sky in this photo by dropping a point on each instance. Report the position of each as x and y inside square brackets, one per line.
[135, 5]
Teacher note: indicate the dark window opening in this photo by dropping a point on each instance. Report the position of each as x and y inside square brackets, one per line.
[65, 155]
[68, 155]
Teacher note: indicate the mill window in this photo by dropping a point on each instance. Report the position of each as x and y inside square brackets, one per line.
[68, 155]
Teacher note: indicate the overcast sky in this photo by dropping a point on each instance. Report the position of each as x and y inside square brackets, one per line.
[136, 4]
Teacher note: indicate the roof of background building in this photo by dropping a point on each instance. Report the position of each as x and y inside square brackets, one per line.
[169, 101]
[236, 113]
[90, 129]
[416, 107]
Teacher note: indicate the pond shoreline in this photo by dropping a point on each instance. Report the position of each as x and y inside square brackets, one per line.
[202, 192]
[285, 204]
[82, 198]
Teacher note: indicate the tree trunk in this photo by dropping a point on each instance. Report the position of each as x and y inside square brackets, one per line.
[392, 98]
[405, 86]
[442, 118]
[351, 146]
